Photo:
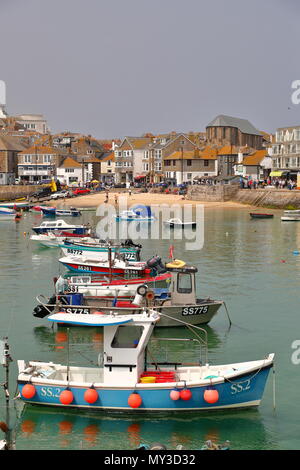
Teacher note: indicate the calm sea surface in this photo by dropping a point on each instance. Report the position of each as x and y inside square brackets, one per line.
[249, 264]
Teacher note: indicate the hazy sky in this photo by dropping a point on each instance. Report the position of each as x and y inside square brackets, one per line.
[125, 67]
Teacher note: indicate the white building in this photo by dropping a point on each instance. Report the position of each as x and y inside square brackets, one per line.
[70, 171]
[33, 122]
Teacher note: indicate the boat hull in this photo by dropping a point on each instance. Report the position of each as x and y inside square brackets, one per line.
[200, 314]
[261, 216]
[243, 391]
[73, 230]
[94, 252]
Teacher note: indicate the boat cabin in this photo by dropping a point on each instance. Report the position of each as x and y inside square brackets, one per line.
[183, 285]
[125, 339]
[124, 348]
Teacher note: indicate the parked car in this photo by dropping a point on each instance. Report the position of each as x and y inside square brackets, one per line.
[61, 194]
[44, 192]
[80, 191]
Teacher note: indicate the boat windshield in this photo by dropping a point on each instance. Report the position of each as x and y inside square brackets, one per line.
[127, 336]
[184, 283]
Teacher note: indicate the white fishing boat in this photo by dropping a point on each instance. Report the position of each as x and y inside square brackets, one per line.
[95, 249]
[172, 293]
[134, 215]
[178, 223]
[7, 214]
[126, 381]
[59, 226]
[291, 216]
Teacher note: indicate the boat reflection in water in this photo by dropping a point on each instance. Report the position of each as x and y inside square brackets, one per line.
[46, 429]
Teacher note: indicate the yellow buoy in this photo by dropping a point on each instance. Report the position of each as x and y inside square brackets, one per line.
[176, 263]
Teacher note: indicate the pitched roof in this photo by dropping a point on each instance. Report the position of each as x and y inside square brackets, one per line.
[69, 163]
[255, 158]
[185, 155]
[229, 121]
[139, 142]
[108, 156]
[228, 150]
[12, 143]
[40, 150]
[209, 153]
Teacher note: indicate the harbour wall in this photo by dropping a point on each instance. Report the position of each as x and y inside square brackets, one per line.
[272, 198]
[8, 193]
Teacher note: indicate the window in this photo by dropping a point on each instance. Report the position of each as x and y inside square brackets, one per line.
[47, 158]
[27, 158]
[157, 166]
[146, 154]
[189, 162]
[206, 163]
[167, 162]
[184, 283]
[127, 337]
[146, 166]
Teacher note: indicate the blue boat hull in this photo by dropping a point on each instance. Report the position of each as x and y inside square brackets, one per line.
[241, 392]
[76, 231]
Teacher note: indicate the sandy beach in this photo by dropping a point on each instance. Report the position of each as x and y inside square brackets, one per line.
[94, 200]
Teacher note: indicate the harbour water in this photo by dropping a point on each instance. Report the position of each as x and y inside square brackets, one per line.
[249, 264]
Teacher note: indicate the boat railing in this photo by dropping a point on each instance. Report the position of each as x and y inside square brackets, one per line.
[42, 300]
[203, 359]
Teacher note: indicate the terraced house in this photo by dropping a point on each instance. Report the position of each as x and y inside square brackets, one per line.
[38, 163]
[10, 148]
[129, 157]
[187, 165]
[286, 152]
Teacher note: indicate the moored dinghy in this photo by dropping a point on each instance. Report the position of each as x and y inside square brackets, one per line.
[178, 223]
[124, 383]
[261, 215]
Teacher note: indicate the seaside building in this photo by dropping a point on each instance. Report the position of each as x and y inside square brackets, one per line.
[39, 162]
[286, 152]
[129, 157]
[227, 130]
[33, 122]
[10, 148]
[70, 171]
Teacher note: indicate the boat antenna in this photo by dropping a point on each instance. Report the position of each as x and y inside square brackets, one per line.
[68, 354]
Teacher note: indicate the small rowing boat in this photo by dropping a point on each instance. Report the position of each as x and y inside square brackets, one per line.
[260, 215]
[178, 223]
